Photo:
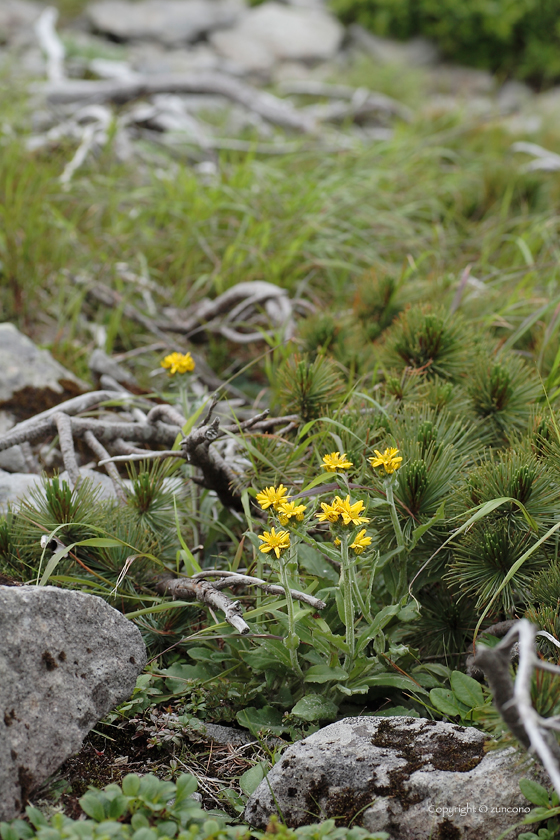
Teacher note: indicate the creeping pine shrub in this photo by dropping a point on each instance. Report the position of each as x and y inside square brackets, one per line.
[518, 37]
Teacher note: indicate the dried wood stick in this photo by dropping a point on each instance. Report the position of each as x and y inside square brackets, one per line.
[75, 405]
[234, 579]
[51, 44]
[205, 592]
[513, 700]
[104, 430]
[271, 108]
[64, 426]
[140, 456]
[168, 414]
[102, 454]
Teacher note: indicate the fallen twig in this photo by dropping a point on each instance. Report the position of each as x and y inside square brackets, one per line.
[236, 579]
[513, 700]
[267, 106]
[206, 593]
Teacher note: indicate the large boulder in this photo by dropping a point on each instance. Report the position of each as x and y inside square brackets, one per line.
[167, 21]
[273, 32]
[416, 779]
[66, 659]
[30, 379]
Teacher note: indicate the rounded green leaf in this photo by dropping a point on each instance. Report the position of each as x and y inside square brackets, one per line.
[467, 690]
[92, 806]
[534, 792]
[314, 707]
[131, 784]
[323, 674]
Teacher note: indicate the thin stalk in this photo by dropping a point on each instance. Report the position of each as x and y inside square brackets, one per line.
[402, 583]
[364, 609]
[292, 640]
[346, 583]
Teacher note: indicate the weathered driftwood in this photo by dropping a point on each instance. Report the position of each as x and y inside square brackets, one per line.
[203, 591]
[237, 579]
[267, 106]
[513, 699]
[160, 426]
[209, 593]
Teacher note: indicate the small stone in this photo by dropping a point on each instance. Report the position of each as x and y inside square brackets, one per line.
[30, 379]
[413, 778]
[67, 659]
[167, 21]
[17, 16]
[271, 32]
[15, 486]
[418, 52]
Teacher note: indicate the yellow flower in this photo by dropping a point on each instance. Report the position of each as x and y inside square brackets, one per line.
[272, 497]
[330, 512]
[360, 542]
[288, 509]
[335, 461]
[389, 460]
[336, 541]
[179, 363]
[276, 542]
[351, 512]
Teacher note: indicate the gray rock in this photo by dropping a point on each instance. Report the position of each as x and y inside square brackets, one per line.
[168, 21]
[30, 379]
[11, 460]
[66, 659]
[414, 778]
[418, 52]
[16, 18]
[271, 32]
[14, 487]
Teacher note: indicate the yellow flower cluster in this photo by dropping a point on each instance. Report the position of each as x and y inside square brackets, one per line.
[276, 542]
[360, 543]
[342, 509]
[335, 461]
[179, 363]
[272, 497]
[388, 459]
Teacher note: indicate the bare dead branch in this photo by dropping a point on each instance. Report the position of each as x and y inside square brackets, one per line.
[513, 700]
[101, 453]
[66, 441]
[204, 592]
[235, 579]
[271, 108]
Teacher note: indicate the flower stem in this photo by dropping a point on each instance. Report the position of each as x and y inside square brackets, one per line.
[403, 577]
[292, 640]
[346, 583]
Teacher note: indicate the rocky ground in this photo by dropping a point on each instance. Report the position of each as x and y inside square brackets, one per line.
[195, 76]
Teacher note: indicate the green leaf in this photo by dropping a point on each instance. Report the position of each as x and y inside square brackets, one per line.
[189, 425]
[313, 561]
[117, 807]
[92, 806]
[445, 701]
[131, 782]
[323, 674]
[419, 532]
[467, 690]
[315, 707]
[394, 681]
[382, 618]
[256, 719]
[251, 779]
[192, 566]
[534, 792]
[322, 478]
[178, 676]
